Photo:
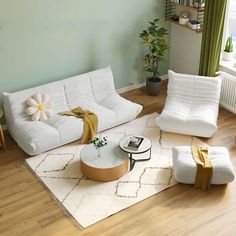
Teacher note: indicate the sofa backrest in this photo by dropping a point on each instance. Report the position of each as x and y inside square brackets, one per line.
[102, 84]
[66, 94]
[78, 91]
[193, 88]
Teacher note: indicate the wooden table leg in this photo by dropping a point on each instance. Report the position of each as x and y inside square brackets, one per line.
[2, 139]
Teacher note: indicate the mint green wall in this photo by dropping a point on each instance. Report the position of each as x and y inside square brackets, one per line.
[47, 40]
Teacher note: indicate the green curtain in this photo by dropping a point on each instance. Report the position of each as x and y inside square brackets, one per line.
[213, 27]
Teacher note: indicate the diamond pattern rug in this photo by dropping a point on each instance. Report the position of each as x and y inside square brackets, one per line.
[89, 201]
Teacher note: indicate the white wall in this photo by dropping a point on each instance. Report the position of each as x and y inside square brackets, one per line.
[185, 50]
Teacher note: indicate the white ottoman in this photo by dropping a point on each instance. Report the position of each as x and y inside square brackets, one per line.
[185, 167]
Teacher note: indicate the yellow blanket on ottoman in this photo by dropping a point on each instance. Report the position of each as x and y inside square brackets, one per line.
[90, 122]
[204, 168]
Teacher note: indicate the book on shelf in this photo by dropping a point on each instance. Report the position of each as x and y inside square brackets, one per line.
[134, 143]
[184, 2]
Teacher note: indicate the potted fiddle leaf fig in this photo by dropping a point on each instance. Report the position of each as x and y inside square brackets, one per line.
[154, 38]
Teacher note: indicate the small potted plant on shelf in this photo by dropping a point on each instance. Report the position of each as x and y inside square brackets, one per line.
[228, 51]
[154, 38]
[183, 18]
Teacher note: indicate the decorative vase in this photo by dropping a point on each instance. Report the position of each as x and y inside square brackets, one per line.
[153, 85]
[183, 17]
[99, 152]
[227, 56]
[200, 4]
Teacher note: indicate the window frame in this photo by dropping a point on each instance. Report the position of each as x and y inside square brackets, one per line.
[226, 30]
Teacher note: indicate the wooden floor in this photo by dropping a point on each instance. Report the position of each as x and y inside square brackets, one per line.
[27, 209]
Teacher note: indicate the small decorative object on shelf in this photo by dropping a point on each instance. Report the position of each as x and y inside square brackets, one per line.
[199, 3]
[195, 25]
[134, 143]
[175, 17]
[190, 13]
[228, 53]
[183, 17]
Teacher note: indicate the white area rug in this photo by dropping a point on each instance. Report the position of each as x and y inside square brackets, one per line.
[89, 201]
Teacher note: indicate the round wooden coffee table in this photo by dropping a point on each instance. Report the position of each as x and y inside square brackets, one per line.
[106, 164]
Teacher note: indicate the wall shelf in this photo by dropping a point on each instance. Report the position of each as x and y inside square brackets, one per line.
[196, 13]
[184, 26]
[192, 8]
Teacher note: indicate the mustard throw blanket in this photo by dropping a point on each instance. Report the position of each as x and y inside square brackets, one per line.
[204, 168]
[90, 122]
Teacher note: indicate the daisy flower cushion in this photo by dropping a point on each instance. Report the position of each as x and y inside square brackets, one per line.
[40, 107]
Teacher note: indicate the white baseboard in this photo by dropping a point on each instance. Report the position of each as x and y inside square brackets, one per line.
[129, 88]
[136, 86]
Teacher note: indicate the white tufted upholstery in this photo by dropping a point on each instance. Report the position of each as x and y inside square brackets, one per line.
[94, 91]
[185, 167]
[191, 106]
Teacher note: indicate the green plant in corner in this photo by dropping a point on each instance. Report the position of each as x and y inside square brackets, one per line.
[154, 38]
[229, 44]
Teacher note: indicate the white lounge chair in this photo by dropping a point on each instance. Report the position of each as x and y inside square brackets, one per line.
[191, 106]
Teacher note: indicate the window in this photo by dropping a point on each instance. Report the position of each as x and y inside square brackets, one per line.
[231, 24]
[226, 65]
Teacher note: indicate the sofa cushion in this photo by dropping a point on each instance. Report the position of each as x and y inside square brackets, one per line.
[69, 128]
[106, 117]
[124, 109]
[102, 84]
[79, 94]
[15, 103]
[189, 119]
[78, 91]
[104, 92]
[36, 137]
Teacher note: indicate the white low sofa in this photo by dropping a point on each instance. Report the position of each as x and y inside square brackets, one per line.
[94, 91]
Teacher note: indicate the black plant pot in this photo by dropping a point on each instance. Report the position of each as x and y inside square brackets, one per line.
[153, 85]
